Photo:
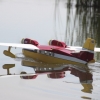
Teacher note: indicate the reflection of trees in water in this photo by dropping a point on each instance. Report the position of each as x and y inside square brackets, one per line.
[97, 31]
[83, 22]
[71, 21]
[58, 26]
[75, 25]
[88, 3]
[90, 24]
[86, 22]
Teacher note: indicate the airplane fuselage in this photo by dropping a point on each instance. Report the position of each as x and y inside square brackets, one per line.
[53, 56]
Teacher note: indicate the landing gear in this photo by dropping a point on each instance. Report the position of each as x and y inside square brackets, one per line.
[8, 53]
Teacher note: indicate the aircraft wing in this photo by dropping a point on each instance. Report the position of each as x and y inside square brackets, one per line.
[97, 49]
[77, 48]
[26, 46]
[74, 48]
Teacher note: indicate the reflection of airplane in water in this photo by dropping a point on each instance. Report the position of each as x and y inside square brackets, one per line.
[85, 77]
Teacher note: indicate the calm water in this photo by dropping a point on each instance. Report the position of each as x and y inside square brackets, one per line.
[43, 20]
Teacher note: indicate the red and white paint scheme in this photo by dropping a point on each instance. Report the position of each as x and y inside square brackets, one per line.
[56, 52]
[59, 50]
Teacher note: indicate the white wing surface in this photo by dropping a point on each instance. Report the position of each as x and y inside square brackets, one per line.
[26, 46]
[32, 47]
[97, 49]
[77, 48]
[74, 48]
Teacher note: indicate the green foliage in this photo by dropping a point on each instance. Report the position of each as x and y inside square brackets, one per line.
[88, 3]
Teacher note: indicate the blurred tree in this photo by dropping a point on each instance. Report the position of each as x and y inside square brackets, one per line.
[88, 3]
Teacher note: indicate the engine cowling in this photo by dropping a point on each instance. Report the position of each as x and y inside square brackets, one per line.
[29, 41]
[57, 43]
[28, 77]
[56, 75]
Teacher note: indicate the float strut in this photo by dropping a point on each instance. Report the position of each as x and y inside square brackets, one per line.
[9, 48]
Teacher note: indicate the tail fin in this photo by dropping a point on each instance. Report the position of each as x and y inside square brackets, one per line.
[88, 55]
[89, 44]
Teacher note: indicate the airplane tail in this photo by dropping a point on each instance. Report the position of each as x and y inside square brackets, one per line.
[89, 44]
[87, 52]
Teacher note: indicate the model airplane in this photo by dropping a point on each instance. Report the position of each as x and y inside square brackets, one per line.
[56, 52]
